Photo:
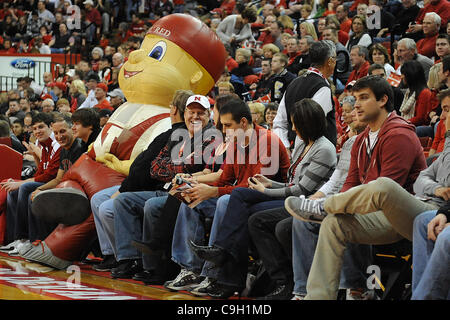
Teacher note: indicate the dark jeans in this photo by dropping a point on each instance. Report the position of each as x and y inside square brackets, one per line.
[20, 222]
[267, 228]
[230, 232]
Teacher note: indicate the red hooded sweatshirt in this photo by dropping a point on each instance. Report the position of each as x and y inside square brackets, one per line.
[397, 154]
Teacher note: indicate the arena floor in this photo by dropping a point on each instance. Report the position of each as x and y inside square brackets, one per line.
[24, 280]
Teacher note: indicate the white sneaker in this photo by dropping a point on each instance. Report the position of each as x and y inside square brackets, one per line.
[10, 246]
[16, 250]
[298, 297]
[200, 290]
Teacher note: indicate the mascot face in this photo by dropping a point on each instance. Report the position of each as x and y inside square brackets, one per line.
[153, 73]
[178, 52]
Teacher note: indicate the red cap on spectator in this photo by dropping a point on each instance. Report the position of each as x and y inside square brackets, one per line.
[60, 85]
[194, 37]
[102, 86]
[46, 96]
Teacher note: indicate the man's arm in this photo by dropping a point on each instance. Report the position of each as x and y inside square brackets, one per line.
[49, 185]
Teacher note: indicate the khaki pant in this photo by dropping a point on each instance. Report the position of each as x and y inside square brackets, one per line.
[380, 212]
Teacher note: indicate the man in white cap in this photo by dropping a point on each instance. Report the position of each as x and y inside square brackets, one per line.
[123, 222]
[93, 20]
[116, 98]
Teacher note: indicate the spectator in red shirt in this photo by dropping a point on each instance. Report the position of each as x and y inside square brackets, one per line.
[137, 26]
[442, 46]
[441, 7]
[358, 59]
[430, 27]
[417, 102]
[342, 16]
[265, 37]
[93, 20]
[100, 94]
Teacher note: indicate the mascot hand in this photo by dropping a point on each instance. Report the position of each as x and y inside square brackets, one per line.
[111, 161]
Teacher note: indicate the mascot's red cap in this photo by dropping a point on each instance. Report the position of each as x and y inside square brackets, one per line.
[194, 37]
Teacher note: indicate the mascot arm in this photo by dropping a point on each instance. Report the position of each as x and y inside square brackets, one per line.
[111, 161]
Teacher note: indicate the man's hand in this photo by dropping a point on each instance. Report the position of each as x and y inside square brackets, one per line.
[443, 192]
[34, 194]
[255, 184]
[32, 149]
[436, 226]
[317, 195]
[11, 185]
[264, 180]
[201, 192]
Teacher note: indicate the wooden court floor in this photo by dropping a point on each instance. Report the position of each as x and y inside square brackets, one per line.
[24, 280]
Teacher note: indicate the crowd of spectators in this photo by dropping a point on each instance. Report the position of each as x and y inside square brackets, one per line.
[278, 53]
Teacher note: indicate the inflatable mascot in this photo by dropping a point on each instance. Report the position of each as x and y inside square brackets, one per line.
[178, 52]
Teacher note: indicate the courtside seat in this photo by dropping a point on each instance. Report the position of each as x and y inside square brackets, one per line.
[11, 163]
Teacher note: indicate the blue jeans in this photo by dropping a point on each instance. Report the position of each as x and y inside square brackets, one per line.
[103, 211]
[20, 222]
[128, 214]
[153, 210]
[431, 261]
[189, 226]
[304, 241]
[230, 232]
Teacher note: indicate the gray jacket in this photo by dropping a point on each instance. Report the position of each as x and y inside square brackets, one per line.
[311, 173]
[435, 176]
[225, 30]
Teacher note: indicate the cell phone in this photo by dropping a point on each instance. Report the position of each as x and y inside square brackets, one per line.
[179, 180]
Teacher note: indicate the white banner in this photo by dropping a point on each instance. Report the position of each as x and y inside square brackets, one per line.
[13, 67]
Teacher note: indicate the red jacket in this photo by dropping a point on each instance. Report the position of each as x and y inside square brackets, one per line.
[239, 167]
[442, 8]
[427, 46]
[397, 154]
[439, 137]
[49, 164]
[424, 105]
[359, 73]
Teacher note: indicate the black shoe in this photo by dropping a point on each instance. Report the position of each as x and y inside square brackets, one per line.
[212, 254]
[221, 291]
[281, 292]
[126, 269]
[109, 262]
[149, 278]
[147, 247]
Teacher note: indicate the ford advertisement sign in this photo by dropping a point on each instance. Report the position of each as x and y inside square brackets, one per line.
[23, 63]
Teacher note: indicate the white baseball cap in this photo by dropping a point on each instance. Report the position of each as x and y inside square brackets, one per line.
[89, 2]
[201, 100]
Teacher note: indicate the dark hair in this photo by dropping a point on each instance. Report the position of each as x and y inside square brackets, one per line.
[444, 36]
[4, 128]
[379, 86]
[250, 14]
[443, 94]
[320, 52]
[414, 76]
[238, 109]
[12, 100]
[87, 117]
[375, 66]
[446, 63]
[220, 102]
[309, 120]
[379, 47]
[271, 106]
[42, 117]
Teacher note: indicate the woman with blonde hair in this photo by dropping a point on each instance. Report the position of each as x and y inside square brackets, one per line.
[307, 29]
[269, 50]
[257, 110]
[288, 24]
[77, 91]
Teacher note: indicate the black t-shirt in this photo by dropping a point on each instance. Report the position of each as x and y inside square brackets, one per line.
[68, 157]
